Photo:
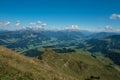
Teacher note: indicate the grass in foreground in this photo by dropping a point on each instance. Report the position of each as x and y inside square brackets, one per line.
[52, 66]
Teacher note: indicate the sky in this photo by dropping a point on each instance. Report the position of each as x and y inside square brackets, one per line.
[86, 14]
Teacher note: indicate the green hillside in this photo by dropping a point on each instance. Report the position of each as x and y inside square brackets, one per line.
[52, 66]
[109, 46]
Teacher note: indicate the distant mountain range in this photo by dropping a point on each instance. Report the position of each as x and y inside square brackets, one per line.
[16, 39]
[27, 42]
[101, 35]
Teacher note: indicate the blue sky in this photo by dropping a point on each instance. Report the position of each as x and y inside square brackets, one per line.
[87, 14]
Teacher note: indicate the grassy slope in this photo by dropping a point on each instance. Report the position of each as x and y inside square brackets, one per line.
[52, 66]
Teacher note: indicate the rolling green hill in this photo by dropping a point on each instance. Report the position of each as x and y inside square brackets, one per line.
[109, 46]
[52, 66]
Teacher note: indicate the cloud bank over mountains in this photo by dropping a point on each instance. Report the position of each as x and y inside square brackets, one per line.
[37, 25]
[18, 24]
[5, 23]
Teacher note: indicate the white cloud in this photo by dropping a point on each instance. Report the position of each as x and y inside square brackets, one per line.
[108, 28]
[5, 23]
[73, 27]
[115, 16]
[38, 23]
[43, 24]
[18, 23]
[32, 23]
